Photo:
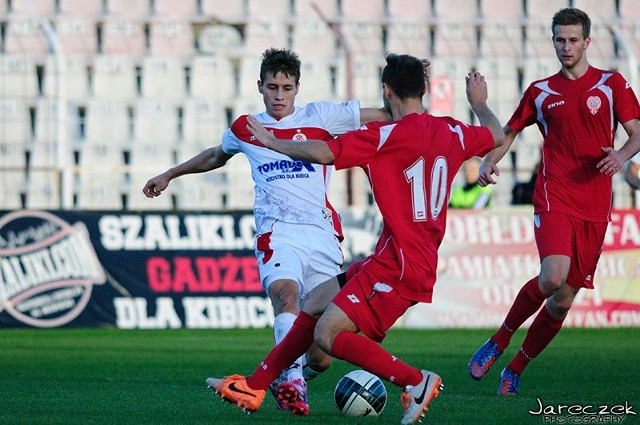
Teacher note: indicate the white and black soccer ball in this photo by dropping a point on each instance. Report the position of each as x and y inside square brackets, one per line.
[360, 393]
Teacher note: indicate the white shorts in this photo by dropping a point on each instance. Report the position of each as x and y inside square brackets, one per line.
[301, 252]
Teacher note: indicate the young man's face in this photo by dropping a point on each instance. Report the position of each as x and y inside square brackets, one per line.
[570, 45]
[279, 94]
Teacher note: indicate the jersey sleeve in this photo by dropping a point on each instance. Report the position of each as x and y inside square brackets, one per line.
[232, 138]
[525, 113]
[356, 147]
[626, 107]
[474, 140]
[338, 118]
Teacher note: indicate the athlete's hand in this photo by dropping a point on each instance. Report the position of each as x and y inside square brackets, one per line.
[612, 163]
[477, 92]
[259, 132]
[155, 186]
[485, 174]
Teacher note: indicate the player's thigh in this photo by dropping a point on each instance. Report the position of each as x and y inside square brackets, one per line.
[372, 305]
[279, 257]
[588, 245]
[322, 257]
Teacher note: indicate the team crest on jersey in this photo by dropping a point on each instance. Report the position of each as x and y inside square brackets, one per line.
[594, 103]
[299, 136]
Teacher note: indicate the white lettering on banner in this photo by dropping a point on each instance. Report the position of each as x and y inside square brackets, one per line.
[69, 258]
[169, 232]
[624, 229]
[619, 266]
[489, 229]
[476, 267]
[227, 312]
[602, 318]
[200, 313]
[131, 313]
[47, 268]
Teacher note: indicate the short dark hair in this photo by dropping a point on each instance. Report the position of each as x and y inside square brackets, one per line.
[404, 74]
[572, 16]
[280, 60]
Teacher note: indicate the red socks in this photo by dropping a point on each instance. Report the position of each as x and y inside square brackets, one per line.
[527, 302]
[295, 343]
[543, 329]
[369, 355]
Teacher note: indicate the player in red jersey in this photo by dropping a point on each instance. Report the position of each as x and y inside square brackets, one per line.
[411, 163]
[577, 111]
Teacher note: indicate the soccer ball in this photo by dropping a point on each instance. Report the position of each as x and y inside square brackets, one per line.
[360, 393]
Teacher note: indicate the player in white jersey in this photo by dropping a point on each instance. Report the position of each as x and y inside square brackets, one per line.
[298, 232]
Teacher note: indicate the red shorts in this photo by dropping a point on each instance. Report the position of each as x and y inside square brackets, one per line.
[561, 234]
[374, 306]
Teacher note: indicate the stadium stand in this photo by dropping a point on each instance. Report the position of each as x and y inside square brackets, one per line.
[212, 78]
[19, 78]
[200, 191]
[122, 37]
[175, 74]
[23, 36]
[230, 11]
[147, 160]
[203, 121]
[456, 28]
[114, 77]
[139, 9]
[101, 175]
[155, 121]
[163, 77]
[171, 37]
[81, 8]
[66, 77]
[107, 121]
[183, 9]
[78, 35]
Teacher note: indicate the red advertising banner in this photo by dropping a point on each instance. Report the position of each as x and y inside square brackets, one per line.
[488, 255]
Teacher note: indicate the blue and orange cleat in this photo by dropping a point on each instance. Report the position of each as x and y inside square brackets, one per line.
[483, 359]
[509, 382]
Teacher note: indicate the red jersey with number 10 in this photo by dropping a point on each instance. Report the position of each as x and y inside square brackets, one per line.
[577, 118]
[411, 164]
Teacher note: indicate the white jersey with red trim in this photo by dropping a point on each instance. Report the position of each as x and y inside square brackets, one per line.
[290, 190]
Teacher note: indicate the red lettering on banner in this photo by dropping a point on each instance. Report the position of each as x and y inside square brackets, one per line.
[158, 274]
[203, 274]
[209, 273]
[230, 282]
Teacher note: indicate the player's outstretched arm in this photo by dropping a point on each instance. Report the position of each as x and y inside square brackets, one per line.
[311, 151]
[207, 160]
[477, 95]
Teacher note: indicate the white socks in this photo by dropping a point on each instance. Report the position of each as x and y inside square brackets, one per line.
[281, 326]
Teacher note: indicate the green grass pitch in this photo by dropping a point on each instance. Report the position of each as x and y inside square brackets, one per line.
[108, 376]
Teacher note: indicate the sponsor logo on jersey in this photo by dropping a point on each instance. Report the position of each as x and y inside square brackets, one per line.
[353, 298]
[594, 103]
[285, 166]
[554, 104]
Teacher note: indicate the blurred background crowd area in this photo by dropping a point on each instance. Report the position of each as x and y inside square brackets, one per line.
[97, 96]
